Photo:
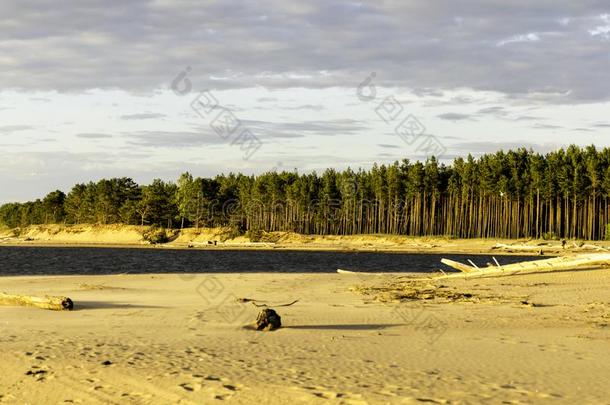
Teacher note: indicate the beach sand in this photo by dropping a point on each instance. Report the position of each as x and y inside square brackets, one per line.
[169, 339]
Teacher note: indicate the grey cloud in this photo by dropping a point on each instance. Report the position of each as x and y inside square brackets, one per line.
[455, 116]
[93, 136]
[141, 45]
[546, 126]
[388, 146]
[528, 118]
[462, 100]
[316, 107]
[168, 139]
[419, 92]
[7, 129]
[142, 116]
[497, 110]
[266, 99]
[299, 129]
[455, 100]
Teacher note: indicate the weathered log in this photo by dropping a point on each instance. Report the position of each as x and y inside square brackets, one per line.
[459, 266]
[549, 247]
[592, 247]
[567, 263]
[53, 303]
[525, 248]
[268, 319]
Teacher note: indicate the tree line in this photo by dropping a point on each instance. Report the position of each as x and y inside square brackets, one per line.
[514, 194]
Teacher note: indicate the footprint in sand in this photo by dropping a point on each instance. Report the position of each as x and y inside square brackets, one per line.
[191, 386]
[345, 398]
[432, 400]
[217, 387]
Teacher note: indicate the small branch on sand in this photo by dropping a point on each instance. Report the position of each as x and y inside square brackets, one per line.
[254, 302]
[567, 263]
[244, 300]
[47, 302]
[280, 305]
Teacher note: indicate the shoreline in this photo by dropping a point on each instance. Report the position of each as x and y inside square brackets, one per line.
[474, 250]
[130, 236]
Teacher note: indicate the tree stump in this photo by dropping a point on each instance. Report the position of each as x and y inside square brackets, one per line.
[268, 320]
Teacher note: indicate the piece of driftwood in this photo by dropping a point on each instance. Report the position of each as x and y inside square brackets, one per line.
[566, 263]
[591, 247]
[547, 247]
[53, 303]
[342, 271]
[525, 248]
[278, 305]
[268, 320]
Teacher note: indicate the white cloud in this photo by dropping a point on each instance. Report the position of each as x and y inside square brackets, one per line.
[602, 30]
[530, 37]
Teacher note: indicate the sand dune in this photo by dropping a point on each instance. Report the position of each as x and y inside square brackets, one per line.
[159, 339]
[220, 238]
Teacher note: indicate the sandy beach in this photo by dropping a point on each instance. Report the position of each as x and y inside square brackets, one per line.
[160, 339]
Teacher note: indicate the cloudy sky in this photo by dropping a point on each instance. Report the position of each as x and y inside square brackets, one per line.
[151, 88]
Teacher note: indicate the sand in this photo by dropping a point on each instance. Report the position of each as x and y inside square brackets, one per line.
[169, 339]
[220, 238]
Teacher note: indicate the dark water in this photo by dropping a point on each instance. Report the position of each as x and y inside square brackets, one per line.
[92, 261]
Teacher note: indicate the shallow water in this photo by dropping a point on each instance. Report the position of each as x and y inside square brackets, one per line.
[94, 261]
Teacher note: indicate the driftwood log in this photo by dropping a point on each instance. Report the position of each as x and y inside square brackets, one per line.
[566, 263]
[548, 247]
[524, 248]
[268, 319]
[53, 303]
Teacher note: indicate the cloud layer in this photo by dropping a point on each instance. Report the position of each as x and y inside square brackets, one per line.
[85, 85]
[556, 49]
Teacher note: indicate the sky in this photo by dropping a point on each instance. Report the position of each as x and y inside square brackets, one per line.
[152, 88]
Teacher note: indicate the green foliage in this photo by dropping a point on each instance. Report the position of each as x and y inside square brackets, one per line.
[507, 194]
[607, 232]
[255, 235]
[188, 195]
[231, 233]
[549, 236]
[157, 205]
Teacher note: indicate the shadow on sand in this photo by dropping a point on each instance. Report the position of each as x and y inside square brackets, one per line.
[374, 326]
[85, 305]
